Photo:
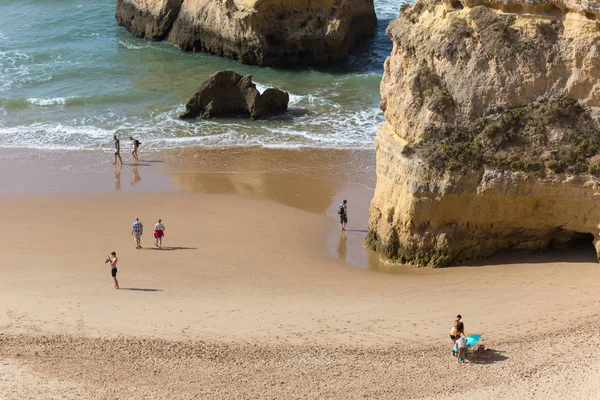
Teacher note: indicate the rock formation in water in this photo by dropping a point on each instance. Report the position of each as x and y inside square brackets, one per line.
[492, 130]
[226, 93]
[259, 32]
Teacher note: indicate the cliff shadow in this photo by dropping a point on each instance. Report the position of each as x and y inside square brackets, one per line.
[369, 55]
[581, 250]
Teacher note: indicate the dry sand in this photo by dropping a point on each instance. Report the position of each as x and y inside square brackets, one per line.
[250, 299]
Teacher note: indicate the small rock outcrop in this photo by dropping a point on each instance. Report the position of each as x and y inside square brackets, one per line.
[151, 19]
[227, 93]
[491, 138]
[258, 32]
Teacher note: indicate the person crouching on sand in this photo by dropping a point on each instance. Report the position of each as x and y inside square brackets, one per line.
[159, 232]
[113, 260]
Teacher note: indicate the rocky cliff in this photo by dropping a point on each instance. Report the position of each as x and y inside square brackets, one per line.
[259, 32]
[492, 130]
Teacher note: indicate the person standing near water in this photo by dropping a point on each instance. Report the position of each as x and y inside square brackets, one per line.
[137, 230]
[113, 260]
[134, 152]
[159, 232]
[343, 213]
[117, 150]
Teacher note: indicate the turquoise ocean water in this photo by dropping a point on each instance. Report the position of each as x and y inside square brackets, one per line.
[70, 78]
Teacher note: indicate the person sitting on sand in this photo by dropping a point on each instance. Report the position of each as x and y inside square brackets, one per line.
[112, 258]
[461, 346]
[134, 152]
[137, 230]
[159, 232]
[117, 150]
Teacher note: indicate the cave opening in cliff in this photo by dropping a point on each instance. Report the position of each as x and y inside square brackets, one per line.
[582, 239]
[457, 5]
[577, 241]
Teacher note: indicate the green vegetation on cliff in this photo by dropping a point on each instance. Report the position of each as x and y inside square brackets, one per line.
[558, 135]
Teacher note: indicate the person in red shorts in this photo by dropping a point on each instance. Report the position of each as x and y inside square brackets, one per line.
[159, 232]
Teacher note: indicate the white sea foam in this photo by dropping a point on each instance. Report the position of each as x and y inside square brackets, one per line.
[132, 46]
[164, 130]
[48, 101]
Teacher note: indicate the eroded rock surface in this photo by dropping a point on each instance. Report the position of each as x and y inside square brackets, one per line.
[259, 32]
[492, 130]
[227, 93]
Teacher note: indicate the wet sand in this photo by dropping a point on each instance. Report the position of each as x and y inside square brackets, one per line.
[252, 299]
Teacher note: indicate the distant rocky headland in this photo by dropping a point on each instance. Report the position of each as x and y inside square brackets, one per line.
[492, 130]
[259, 32]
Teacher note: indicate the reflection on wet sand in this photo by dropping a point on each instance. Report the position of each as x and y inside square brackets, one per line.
[342, 249]
[118, 177]
[307, 179]
[314, 180]
[136, 176]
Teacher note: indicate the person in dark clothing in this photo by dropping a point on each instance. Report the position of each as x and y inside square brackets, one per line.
[343, 213]
[134, 152]
[117, 150]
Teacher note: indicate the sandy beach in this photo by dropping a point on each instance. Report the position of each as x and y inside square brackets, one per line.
[251, 298]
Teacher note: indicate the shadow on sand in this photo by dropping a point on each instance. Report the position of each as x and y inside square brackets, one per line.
[489, 356]
[357, 230]
[136, 164]
[578, 253]
[141, 289]
[170, 248]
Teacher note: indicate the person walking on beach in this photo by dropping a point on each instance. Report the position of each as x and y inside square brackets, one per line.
[137, 231]
[134, 152]
[113, 260]
[117, 150]
[343, 213]
[159, 232]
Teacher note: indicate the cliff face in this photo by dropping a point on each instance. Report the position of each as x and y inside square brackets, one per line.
[260, 32]
[492, 130]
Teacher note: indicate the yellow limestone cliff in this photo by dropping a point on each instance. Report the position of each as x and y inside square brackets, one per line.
[491, 138]
[259, 32]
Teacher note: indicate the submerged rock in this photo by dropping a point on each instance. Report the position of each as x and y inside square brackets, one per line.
[492, 130]
[259, 32]
[227, 93]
